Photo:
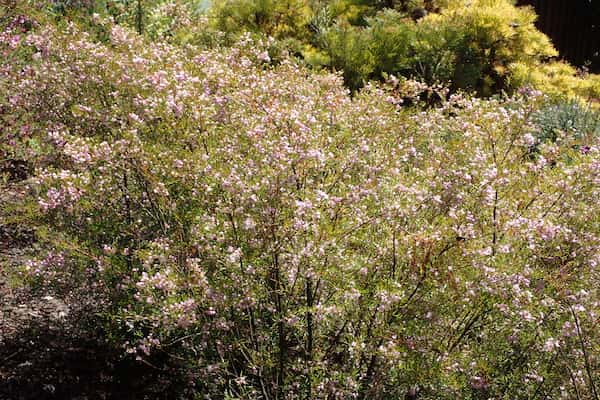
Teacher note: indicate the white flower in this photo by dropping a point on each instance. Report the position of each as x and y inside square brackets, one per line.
[551, 344]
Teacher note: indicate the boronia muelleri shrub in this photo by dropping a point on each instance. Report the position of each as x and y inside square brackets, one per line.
[290, 241]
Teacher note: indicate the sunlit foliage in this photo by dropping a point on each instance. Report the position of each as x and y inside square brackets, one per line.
[288, 240]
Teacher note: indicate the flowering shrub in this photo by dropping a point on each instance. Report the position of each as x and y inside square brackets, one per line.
[289, 241]
[484, 46]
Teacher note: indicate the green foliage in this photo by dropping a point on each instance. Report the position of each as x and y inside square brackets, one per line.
[483, 39]
[567, 117]
[557, 79]
[382, 48]
[468, 46]
[392, 36]
[276, 18]
[482, 46]
[349, 50]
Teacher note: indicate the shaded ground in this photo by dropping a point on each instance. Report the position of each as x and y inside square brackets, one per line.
[50, 350]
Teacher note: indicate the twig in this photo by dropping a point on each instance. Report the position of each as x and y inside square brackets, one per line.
[588, 367]
[11, 356]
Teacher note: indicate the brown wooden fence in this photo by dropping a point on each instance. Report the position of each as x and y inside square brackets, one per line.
[573, 26]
